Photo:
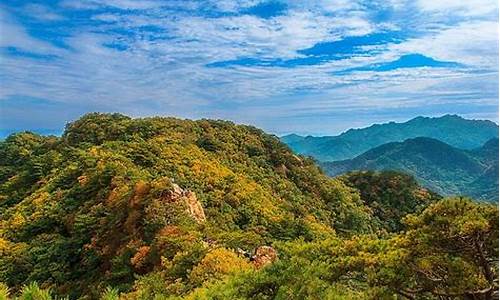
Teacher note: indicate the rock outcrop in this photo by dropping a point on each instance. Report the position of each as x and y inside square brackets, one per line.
[193, 205]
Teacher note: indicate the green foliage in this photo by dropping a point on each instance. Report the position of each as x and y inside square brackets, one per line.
[110, 294]
[107, 202]
[436, 165]
[33, 292]
[449, 252]
[391, 195]
[161, 208]
[4, 291]
[216, 264]
[455, 248]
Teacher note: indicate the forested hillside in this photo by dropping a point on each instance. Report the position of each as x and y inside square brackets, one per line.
[162, 208]
[450, 129]
[436, 165]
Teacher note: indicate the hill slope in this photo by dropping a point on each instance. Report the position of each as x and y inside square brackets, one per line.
[451, 129]
[115, 197]
[161, 208]
[438, 166]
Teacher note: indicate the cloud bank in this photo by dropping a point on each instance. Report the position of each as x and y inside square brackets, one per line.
[286, 66]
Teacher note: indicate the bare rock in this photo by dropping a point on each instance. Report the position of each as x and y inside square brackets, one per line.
[194, 208]
[189, 200]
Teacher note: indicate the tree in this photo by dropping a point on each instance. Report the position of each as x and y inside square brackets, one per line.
[391, 195]
[454, 249]
[216, 264]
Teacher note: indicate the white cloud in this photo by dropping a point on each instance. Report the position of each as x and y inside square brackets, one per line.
[41, 12]
[473, 43]
[121, 4]
[469, 7]
[163, 70]
[14, 35]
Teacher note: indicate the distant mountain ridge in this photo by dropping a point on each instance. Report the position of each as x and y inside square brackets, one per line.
[436, 165]
[450, 129]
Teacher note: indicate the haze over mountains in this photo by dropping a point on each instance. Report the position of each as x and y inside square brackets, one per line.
[444, 169]
[451, 129]
[450, 155]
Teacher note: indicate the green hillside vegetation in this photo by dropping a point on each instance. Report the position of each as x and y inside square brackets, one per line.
[390, 195]
[162, 208]
[450, 129]
[436, 165]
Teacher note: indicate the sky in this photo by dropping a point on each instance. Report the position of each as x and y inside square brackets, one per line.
[309, 67]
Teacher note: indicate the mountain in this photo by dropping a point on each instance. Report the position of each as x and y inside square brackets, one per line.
[117, 196]
[436, 165]
[451, 129]
[390, 195]
[160, 208]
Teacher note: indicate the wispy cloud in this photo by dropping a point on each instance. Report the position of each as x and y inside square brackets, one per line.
[41, 12]
[14, 35]
[248, 61]
[468, 8]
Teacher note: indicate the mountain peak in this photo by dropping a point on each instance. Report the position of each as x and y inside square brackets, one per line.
[451, 129]
[436, 165]
[291, 138]
[443, 117]
[452, 116]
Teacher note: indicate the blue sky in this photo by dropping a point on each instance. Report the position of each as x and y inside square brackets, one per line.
[310, 67]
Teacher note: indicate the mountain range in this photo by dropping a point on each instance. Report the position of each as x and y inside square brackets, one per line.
[449, 154]
[444, 169]
[451, 129]
[118, 208]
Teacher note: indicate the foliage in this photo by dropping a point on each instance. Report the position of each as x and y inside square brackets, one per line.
[105, 202]
[4, 291]
[216, 264]
[110, 294]
[391, 195]
[34, 292]
[436, 165]
[103, 212]
[449, 252]
[455, 248]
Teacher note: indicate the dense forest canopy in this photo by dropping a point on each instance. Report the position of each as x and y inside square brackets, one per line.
[162, 208]
[436, 165]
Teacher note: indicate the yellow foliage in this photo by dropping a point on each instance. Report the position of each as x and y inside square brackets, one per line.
[216, 264]
[117, 194]
[320, 230]
[94, 151]
[4, 291]
[41, 198]
[82, 180]
[4, 245]
[210, 170]
[17, 221]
